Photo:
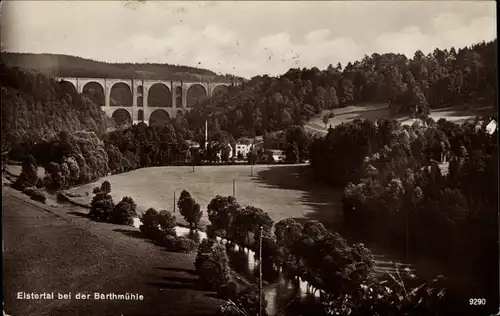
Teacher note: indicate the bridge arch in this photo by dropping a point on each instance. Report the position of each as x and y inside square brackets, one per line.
[140, 115]
[95, 92]
[195, 94]
[220, 89]
[67, 87]
[122, 117]
[159, 95]
[158, 117]
[120, 95]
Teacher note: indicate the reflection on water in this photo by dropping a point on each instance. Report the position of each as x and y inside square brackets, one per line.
[278, 289]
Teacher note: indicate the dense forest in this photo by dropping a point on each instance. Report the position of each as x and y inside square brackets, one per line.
[465, 76]
[36, 107]
[70, 66]
[396, 191]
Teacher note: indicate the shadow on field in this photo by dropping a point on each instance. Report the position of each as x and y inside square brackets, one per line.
[177, 283]
[367, 111]
[80, 214]
[213, 295]
[130, 233]
[323, 200]
[183, 270]
[470, 112]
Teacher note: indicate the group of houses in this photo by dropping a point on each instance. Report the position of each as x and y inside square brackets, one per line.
[241, 149]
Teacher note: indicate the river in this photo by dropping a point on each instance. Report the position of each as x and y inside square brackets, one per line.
[279, 290]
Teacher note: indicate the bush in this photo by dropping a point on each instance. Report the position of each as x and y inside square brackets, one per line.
[194, 236]
[28, 176]
[101, 207]
[189, 209]
[248, 300]
[212, 264]
[165, 240]
[150, 225]
[166, 221]
[35, 194]
[396, 295]
[204, 251]
[229, 290]
[124, 212]
[228, 309]
[185, 245]
[160, 227]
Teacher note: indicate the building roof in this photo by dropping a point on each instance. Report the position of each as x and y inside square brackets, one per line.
[244, 141]
[192, 142]
[275, 151]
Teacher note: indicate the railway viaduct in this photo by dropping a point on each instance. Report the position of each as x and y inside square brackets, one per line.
[148, 101]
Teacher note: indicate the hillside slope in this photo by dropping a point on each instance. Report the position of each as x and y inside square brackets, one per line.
[35, 107]
[53, 249]
[71, 66]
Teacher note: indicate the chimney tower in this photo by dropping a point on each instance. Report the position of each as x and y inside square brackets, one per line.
[206, 134]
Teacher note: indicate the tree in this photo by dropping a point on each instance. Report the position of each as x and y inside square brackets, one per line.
[252, 157]
[221, 211]
[314, 229]
[212, 264]
[167, 223]
[102, 204]
[124, 212]
[104, 188]
[28, 176]
[326, 118]
[248, 300]
[150, 223]
[189, 209]
[225, 151]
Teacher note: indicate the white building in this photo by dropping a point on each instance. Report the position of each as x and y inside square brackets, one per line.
[193, 144]
[242, 149]
[278, 155]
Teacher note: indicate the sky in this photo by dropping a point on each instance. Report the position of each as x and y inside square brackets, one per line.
[244, 38]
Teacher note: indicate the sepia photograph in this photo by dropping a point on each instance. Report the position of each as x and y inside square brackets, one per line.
[249, 158]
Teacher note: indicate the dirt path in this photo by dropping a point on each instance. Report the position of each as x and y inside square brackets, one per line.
[51, 249]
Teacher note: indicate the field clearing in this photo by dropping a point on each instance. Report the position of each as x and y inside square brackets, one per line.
[283, 191]
[373, 112]
[15, 170]
[455, 115]
[348, 114]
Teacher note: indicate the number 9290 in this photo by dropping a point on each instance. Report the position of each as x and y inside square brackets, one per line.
[477, 301]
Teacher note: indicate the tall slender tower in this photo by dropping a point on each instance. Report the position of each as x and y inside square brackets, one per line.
[206, 134]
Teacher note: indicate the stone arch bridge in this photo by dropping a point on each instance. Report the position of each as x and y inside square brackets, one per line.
[148, 101]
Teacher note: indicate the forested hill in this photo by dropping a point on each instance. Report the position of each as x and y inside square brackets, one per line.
[70, 66]
[412, 85]
[35, 107]
[265, 104]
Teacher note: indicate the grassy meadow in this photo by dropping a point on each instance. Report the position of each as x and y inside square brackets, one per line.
[375, 111]
[283, 191]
